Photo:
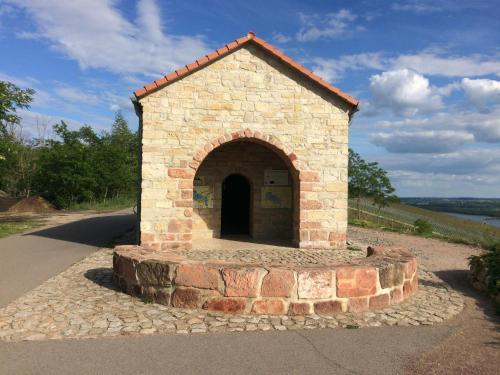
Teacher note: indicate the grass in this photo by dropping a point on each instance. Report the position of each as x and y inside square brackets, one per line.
[401, 218]
[9, 227]
[105, 205]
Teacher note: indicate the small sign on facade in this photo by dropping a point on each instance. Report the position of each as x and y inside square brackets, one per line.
[276, 177]
[203, 197]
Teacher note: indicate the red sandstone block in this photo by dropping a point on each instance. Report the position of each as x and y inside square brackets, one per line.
[188, 212]
[314, 284]
[180, 226]
[180, 173]
[306, 186]
[197, 275]
[258, 135]
[184, 203]
[147, 236]
[318, 235]
[186, 298]
[235, 135]
[328, 307]
[310, 205]
[248, 133]
[240, 282]
[273, 307]
[278, 283]
[185, 237]
[194, 164]
[304, 235]
[410, 287]
[375, 250]
[292, 156]
[379, 302]
[208, 147]
[125, 267]
[410, 267]
[396, 295]
[296, 308]
[356, 281]
[167, 237]
[187, 194]
[357, 304]
[226, 305]
[309, 176]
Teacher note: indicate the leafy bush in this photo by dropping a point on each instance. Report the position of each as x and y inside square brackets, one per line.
[423, 227]
[486, 269]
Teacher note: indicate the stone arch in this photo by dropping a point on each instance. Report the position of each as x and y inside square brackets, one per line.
[274, 145]
[267, 140]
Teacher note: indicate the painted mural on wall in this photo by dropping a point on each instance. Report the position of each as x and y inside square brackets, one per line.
[203, 197]
[276, 197]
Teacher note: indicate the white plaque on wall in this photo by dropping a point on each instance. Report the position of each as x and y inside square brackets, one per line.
[276, 177]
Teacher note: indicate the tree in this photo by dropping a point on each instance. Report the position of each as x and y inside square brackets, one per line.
[368, 180]
[12, 98]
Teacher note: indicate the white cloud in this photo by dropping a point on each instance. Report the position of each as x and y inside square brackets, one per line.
[484, 126]
[430, 141]
[333, 69]
[417, 6]
[76, 95]
[404, 91]
[97, 35]
[330, 25]
[482, 92]
[281, 38]
[433, 63]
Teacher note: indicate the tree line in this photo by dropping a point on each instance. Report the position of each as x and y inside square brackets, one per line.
[72, 167]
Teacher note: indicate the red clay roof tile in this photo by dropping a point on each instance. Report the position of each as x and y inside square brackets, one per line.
[250, 37]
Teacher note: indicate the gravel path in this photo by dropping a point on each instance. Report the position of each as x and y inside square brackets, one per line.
[474, 348]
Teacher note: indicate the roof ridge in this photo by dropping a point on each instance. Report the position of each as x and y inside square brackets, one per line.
[237, 43]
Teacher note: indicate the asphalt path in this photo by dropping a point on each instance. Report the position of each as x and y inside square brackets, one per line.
[29, 259]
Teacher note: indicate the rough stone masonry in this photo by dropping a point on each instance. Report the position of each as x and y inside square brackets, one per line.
[240, 99]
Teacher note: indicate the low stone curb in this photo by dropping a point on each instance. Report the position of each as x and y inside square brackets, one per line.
[384, 277]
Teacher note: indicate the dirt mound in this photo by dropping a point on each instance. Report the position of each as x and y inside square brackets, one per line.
[32, 204]
[7, 202]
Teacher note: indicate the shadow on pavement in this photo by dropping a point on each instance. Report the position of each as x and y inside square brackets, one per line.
[459, 280]
[95, 231]
[103, 277]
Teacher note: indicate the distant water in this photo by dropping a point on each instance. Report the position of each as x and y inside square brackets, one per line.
[480, 218]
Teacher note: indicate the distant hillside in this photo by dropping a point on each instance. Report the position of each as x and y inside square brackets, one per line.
[470, 206]
[401, 216]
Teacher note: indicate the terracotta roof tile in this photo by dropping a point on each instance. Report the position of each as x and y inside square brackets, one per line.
[249, 38]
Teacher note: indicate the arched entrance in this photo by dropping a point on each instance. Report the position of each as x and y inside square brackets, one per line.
[235, 206]
[246, 187]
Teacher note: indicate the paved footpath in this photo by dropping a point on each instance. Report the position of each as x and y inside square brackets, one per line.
[28, 259]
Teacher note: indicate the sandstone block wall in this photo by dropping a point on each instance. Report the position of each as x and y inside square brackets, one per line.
[244, 95]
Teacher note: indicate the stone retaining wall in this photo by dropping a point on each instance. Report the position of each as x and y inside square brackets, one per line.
[384, 277]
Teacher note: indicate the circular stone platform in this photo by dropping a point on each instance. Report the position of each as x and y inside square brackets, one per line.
[271, 280]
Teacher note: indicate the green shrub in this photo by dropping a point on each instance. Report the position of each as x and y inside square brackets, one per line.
[423, 227]
[486, 268]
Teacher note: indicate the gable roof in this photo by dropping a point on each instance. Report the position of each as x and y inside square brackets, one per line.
[228, 48]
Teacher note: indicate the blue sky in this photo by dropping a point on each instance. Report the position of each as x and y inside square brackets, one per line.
[427, 72]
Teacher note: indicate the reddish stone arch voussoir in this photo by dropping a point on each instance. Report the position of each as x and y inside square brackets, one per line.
[265, 139]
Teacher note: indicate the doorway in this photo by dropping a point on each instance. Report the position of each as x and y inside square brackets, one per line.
[235, 210]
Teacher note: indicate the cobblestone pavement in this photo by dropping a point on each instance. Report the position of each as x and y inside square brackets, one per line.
[273, 255]
[82, 302]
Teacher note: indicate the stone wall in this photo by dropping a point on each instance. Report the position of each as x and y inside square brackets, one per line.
[385, 277]
[246, 94]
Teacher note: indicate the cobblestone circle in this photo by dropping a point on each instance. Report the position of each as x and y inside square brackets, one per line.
[82, 302]
[274, 256]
